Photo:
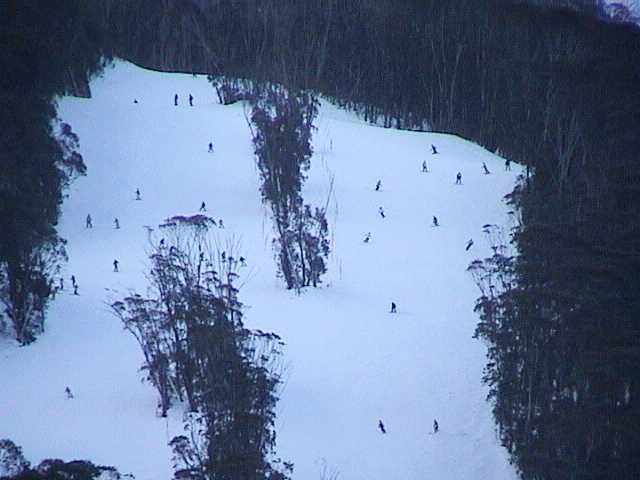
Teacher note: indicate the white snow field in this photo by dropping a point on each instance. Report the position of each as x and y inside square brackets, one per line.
[349, 362]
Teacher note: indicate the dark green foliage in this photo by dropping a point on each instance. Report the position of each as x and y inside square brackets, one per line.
[46, 50]
[12, 461]
[196, 349]
[13, 466]
[282, 124]
[559, 320]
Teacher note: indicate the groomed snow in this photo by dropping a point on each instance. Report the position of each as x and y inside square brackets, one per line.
[349, 361]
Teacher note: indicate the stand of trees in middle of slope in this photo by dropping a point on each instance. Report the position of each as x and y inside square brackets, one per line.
[197, 350]
[282, 125]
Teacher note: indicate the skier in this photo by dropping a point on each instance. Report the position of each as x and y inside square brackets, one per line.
[89, 222]
[436, 427]
[434, 150]
[116, 222]
[393, 307]
[381, 212]
[162, 243]
[224, 257]
[115, 265]
[486, 170]
[243, 262]
[61, 283]
[190, 100]
[67, 390]
[435, 221]
[220, 223]
[75, 290]
[203, 207]
[381, 426]
[459, 179]
[507, 164]
[378, 185]
[424, 167]
[73, 280]
[138, 197]
[367, 237]
[175, 100]
[469, 244]
[210, 147]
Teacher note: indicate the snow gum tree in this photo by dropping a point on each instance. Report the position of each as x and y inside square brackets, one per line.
[282, 125]
[197, 350]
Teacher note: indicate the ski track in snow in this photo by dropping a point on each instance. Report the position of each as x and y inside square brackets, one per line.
[349, 361]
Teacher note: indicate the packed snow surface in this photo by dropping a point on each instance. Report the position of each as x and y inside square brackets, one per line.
[348, 362]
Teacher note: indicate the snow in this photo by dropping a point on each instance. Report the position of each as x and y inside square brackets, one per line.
[349, 362]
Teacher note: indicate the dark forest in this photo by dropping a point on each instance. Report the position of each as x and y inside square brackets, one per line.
[553, 89]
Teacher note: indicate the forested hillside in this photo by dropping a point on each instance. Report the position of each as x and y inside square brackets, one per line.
[47, 50]
[553, 89]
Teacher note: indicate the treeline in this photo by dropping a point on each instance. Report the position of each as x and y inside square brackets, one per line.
[46, 50]
[197, 351]
[555, 90]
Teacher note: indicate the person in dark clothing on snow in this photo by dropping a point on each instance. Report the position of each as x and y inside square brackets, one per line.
[507, 164]
[393, 307]
[381, 426]
[243, 262]
[435, 221]
[210, 147]
[175, 100]
[73, 280]
[190, 100]
[367, 237]
[67, 390]
[115, 265]
[378, 185]
[89, 222]
[162, 243]
[381, 212]
[75, 290]
[434, 150]
[138, 197]
[424, 166]
[436, 427]
[203, 207]
[116, 223]
[61, 284]
[459, 179]
[485, 169]
[469, 245]
[220, 223]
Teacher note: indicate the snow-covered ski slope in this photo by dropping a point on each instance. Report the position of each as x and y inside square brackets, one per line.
[349, 362]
